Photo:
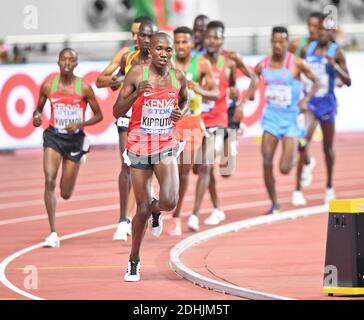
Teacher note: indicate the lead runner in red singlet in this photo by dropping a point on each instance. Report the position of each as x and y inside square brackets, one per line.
[139, 55]
[159, 96]
[64, 140]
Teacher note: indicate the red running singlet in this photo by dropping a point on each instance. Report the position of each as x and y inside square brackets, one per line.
[151, 130]
[215, 113]
[66, 108]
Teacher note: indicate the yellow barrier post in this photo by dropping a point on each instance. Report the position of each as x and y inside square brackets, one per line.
[344, 263]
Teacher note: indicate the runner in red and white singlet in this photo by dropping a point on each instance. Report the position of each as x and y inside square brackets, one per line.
[66, 108]
[142, 29]
[215, 116]
[151, 129]
[159, 98]
[214, 113]
[201, 84]
[64, 140]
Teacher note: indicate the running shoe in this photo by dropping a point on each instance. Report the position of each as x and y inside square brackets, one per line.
[123, 230]
[215, 218]
[52, 241]
[330, 195]
[193, 223]
[306, 175]
[156, 224]
[133, 271]
[274, 209]
[298, 198]
[175, 228]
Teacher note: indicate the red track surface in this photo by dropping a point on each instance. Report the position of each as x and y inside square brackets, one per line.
[284, 258]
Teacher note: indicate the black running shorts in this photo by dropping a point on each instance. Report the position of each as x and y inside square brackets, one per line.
[72, 147]
[147, 162]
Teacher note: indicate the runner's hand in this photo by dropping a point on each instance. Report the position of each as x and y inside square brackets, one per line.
[233, 93]
[115, 82]
[144, 86]
[37, 119]
[193, 86]
[238, 114]
[303, 105]
[176, 114]
[72, 128]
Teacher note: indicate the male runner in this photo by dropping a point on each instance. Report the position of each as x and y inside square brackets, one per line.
[215, 114]
[199, 29]
[297, 47]
[201, 83]
[107, 77]
[158, 94]
[327, 61]
[313, 24]
[126, 196]
[281, 74]
[64, 140]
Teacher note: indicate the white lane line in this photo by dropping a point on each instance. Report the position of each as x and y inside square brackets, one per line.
[4, 280]
[39, 191]
[245, 205]
[348, 181]
[86, 197]
[6, 261]
[11, 258]
[3, 265]
[182, 270]
[249, 179]
[61, 214]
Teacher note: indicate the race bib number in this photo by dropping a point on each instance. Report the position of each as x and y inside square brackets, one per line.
[319, 69]
[279, 95]
[195, 102]
[64, 115]
[156, 115]
[123, 122]
[208, 106]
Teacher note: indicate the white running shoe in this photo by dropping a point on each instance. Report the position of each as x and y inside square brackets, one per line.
[298, 198]
[215, 217]
[52, 241]
[156, 224]
[123, 230]
[306, 175]
[330, 195]
[132, 272]
[174, 228]
[193, 223]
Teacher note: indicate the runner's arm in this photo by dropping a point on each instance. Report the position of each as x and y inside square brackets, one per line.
[106, 78]
[258, 69]
[254, 80]
[305, 69]
[211, 92]
[293, 46]
[339, 64]
[43, 95]
[131, 90]
[89, 96]
[183, 104]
